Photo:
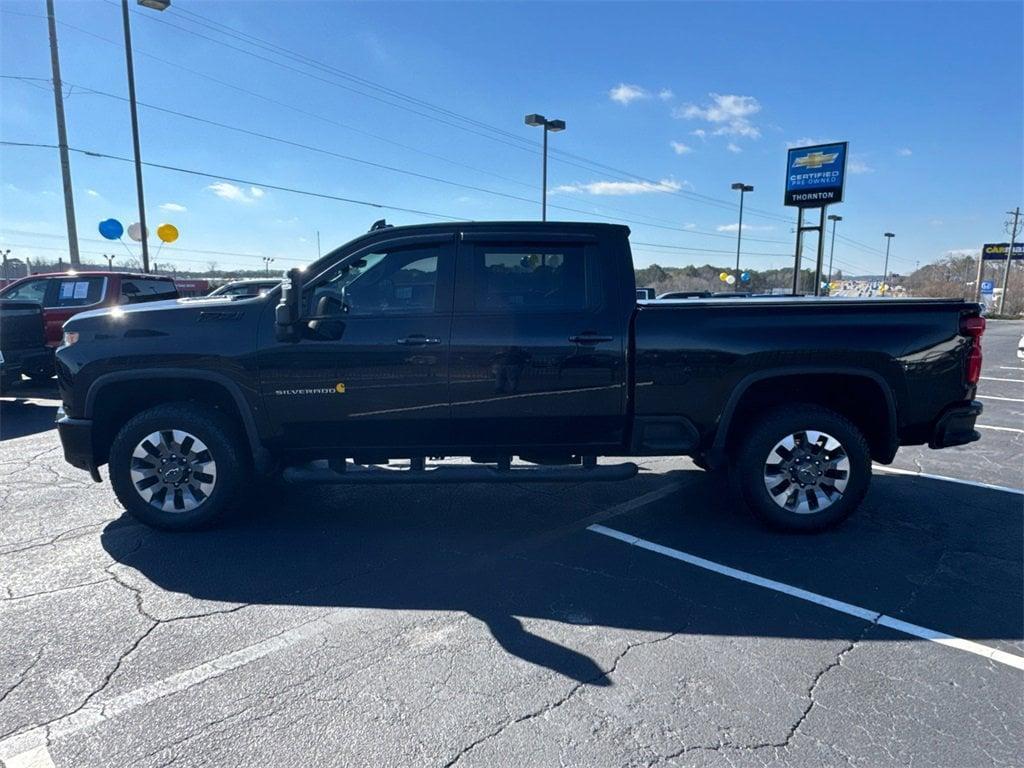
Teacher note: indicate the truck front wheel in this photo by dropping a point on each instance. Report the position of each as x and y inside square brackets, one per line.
[803, 468]
[177, 466]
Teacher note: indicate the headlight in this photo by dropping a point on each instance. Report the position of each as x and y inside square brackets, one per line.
[70, 337]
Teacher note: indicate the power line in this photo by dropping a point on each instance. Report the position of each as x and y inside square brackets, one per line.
[505, 136]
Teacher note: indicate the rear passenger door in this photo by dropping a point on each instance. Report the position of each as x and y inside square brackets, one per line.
[138, 290]
[66, 297]
[537, 352]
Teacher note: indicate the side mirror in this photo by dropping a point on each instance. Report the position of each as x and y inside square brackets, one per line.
[328, 322]
[287, 312]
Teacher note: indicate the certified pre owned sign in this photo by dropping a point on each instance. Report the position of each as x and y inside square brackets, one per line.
[815, 175]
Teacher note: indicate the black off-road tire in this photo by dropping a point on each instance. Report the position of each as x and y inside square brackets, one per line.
[756, 460]
[221, 438]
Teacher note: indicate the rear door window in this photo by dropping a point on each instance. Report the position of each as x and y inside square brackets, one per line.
[140, 290]
[78, 292]
[530, 278]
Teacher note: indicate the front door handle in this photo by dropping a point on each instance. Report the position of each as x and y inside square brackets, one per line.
[417, 340]
[589, 338]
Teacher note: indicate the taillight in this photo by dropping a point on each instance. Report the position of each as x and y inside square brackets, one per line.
[973, 328]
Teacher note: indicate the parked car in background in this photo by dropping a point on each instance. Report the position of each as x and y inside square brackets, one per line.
[1020, 348]
[246, 287]
[64, 294]
[190, 287]
[22, 343]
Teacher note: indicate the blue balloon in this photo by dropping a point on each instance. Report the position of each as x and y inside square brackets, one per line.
[111, 229]
[745, 277]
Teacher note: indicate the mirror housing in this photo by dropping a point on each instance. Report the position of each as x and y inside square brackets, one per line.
[288, 312]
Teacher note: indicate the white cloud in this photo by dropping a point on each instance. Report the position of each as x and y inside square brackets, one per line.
[665, 94]
[730, 112]
[689, 225]
[621, 187]
[806, 141]
[680, 148]
[92, 193]
[700, 133]
[625, 93]
[734, 148]
[904, 152]
[229, 191]
[858, 166]
[173, 207]
[746, 228]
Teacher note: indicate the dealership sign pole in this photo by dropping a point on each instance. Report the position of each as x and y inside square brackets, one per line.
[1012, 251]
[814, 179]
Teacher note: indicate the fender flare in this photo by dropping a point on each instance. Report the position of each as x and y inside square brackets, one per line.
[259, 452]
[892, 428]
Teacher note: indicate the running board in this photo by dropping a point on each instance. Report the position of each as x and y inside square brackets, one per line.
[319, 473]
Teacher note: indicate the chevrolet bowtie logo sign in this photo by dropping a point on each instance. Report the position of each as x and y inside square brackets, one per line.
[815, 160]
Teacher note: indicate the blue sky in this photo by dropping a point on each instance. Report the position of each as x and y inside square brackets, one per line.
[679, 99]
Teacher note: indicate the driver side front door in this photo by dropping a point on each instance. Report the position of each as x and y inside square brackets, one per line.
[382, 383]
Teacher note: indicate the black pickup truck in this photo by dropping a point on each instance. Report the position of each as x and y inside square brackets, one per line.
[498, 340]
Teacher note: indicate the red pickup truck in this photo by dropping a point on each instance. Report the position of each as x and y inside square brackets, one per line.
[65, 294]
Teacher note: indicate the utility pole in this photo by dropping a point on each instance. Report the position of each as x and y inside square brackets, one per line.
[1009, 257]
[318, 243]
[62, 138]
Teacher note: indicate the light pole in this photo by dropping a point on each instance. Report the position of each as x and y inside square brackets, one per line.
[885, 272]
[157, 5]
[835, 219]
[3, 255]
[743, 189]
[548, 125]
[266, 264]
[110, 260]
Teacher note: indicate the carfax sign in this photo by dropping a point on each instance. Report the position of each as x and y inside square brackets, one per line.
[815, 175]
[997, 251]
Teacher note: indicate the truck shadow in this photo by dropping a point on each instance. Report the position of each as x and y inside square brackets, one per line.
[944, 556]
[22, 417]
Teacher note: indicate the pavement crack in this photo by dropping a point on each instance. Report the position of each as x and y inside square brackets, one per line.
[24, 674]
[548, 708]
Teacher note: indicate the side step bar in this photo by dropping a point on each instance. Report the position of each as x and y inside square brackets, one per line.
[320, 473]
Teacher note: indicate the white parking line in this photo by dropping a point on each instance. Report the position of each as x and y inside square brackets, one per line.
[1000, 429]
[994, 654]
[975, 483]
[1011, 368]
[1006, 399]
[993, 378]
[24, 748]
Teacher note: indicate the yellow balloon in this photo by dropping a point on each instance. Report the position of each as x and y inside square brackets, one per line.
[167, 232]
[723, 276]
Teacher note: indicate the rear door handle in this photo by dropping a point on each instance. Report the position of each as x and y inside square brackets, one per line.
[589, 338]
[417, 340]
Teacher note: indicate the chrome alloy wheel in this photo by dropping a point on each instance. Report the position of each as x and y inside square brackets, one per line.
[807, 472]
[173, 470]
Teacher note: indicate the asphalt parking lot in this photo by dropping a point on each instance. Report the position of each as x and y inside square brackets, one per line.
[635, 623]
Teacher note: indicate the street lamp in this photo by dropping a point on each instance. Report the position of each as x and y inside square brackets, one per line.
[743, 189]
[835, 219]
[266, 263]
[110, 260]
[885, 272]
[157, 5]
[548, 125]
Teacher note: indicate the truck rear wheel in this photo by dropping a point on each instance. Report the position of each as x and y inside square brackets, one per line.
[177, 466]
[803, 468]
